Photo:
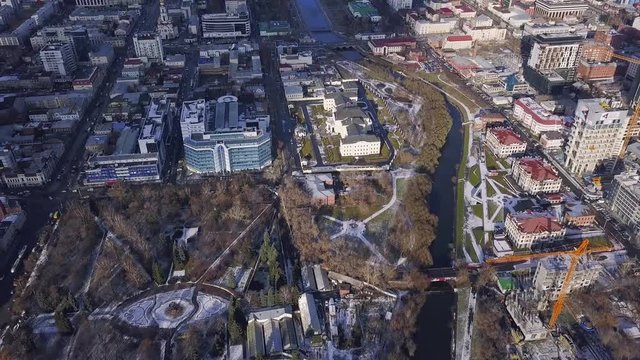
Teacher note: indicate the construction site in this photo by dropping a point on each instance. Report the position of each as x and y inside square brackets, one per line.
[553, 310]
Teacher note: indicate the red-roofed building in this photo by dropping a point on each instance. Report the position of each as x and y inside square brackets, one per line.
[464, 12]
[536, 176]
[527, 229]
[456, 42]
[445, 13]
[391, 45]
[534, 117]
[503, 142]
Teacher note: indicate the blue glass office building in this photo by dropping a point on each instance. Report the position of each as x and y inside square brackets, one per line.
[228, 151]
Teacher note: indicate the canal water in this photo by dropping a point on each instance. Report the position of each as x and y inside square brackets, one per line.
[434, 335]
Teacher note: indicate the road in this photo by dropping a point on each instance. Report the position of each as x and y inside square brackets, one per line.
[283, 125]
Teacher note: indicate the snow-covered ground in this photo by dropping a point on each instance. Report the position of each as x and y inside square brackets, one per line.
[139, 313]
[152, 310]
[208, 307]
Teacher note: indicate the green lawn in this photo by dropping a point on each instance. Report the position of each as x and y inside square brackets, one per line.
[395, 142]
[470, 249]
[478, 233]
[492, 208]
[460, 208]
[474, 175]
[491, 161]
[598, 241]
[477, 210]
[501, 180]
[490, 191]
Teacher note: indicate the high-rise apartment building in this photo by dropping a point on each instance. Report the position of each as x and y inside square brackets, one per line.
[597, 135]
[148, 45]
[624, 198]
[555, 51]
[58, 58]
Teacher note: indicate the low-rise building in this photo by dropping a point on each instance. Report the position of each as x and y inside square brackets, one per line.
[363, 9]
[388, 46]
[426, 27]
[309, 315]
[271, 332]
[354, 127]
[596, 71]
[528, 229]
[577, 213]
[536, 176]
[274, 28]
[552, 271]
[534, 117]
[457, 42]
[551, 140]
[503, 142]
[321, 188]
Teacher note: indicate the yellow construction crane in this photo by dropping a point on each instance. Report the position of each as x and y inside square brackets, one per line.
[575, 255]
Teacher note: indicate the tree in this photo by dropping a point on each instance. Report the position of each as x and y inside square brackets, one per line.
[157, 273]
[234, 326]
[192, 344]
[62, 323]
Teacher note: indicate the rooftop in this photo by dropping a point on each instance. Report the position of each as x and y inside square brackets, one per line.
[506, 136]
[396, 41]
[535, 223]
[537, 112]
[539, 170]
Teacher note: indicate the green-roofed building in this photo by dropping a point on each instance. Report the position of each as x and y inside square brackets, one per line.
[274, 28]
[364, 10]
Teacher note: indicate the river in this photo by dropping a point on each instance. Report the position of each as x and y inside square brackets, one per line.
[433, 338]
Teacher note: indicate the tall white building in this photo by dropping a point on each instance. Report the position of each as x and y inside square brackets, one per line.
[400, 4]
[165, 27]
[555, 51]
[624, 198]
[59, 59]
[597, 135]
[193, 117]
[148, 45]
[552, 272]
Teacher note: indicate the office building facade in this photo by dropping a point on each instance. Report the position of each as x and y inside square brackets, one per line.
[231, 142]
[225, 25]
[624, 198]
